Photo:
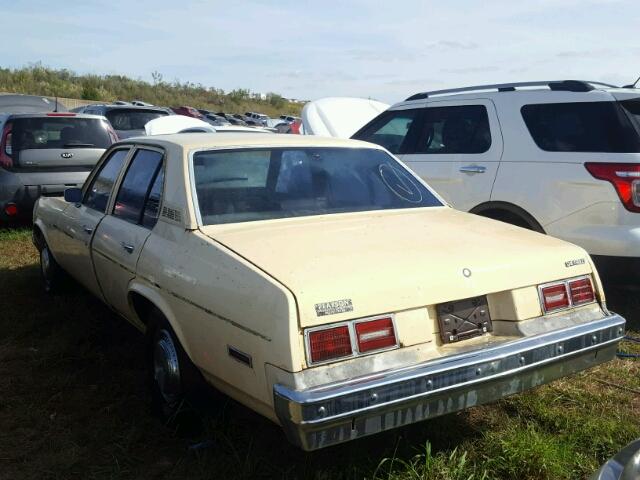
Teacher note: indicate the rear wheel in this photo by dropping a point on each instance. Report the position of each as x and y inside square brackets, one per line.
[52, 274]
[172, 376]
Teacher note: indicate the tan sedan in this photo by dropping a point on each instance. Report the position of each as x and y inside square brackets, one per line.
[319, 282]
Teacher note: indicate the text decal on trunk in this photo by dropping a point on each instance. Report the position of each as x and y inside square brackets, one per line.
[573, 263]
[334, 307]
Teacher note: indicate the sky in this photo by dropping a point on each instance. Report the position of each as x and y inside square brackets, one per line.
[312, 49]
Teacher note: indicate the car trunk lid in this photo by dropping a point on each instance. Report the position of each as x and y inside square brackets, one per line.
[389, 261]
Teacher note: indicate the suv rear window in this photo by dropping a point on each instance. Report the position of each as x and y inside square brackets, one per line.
[59, 132]
[131, 119]
[581, 127]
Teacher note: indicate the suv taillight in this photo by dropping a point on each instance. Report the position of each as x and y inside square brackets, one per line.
[625, 177]
[350, 339]
[330, 344]
[6, 148]
[566, 293]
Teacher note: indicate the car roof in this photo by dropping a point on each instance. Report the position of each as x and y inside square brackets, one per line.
[580, 88]
[53, 115]
[194, 141]
[129, 107]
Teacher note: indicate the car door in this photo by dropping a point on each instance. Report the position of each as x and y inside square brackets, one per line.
[121, 235]
[456, 146]
[78, 222]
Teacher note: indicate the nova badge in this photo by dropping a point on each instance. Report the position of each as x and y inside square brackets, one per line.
[573, 263]
[66, 154]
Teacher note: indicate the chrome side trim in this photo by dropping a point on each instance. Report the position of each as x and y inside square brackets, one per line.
[381, 400]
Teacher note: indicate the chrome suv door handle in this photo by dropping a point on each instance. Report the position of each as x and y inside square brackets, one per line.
[127, 247]
[473, 169]
[87, 230]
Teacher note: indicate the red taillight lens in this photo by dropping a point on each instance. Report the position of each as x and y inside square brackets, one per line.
[61, 114]
[11, 209]
[581, 291]
[330, 343]
[554, 297]
[6, 147]
[625, 177]
[375, 334]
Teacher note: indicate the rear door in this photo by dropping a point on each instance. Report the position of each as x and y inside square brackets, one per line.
[457, 148]
[120, 237]
[78, 222]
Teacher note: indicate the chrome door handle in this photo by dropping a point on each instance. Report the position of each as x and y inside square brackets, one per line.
[473, 169]
[87, 230]
[127, 247]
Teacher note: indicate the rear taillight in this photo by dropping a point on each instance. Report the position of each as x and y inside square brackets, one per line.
[11, 209]
[61, 114]
[581, 291]
[330, 344]
[350, 339]
[554, 297]
[625, 177]
[566, 293]
[6, 147]
[375, 334]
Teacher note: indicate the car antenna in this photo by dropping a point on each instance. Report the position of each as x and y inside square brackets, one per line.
[633, 85]
[55, 110]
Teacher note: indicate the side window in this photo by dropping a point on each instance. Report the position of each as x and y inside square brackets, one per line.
[98, 193]
[136, 185]
[389, 129]
[581, 127]
[455, 129]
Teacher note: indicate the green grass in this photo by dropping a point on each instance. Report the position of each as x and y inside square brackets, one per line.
[73, 404]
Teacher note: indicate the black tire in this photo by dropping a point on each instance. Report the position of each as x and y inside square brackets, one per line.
[173, 379]
[53, 277]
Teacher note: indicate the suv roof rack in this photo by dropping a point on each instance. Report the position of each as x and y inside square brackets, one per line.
[558, 85]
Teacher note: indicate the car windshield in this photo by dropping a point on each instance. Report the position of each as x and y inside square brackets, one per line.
[131, 119]
[258, 184]
[59, 132]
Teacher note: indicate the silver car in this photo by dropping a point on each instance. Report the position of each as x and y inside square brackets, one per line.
[44, 153]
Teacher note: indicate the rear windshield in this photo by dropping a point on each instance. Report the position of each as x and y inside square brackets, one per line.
[581, 127]
[134, 119]
[632, 107]
[259, 184]
[59, 132]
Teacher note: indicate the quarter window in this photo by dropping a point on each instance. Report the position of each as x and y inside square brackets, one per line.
[97, 196]
[152, 207]
[581, 127]
[455, 129]
[137, 185]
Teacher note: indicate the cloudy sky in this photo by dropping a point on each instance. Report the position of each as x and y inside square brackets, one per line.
[310, 49]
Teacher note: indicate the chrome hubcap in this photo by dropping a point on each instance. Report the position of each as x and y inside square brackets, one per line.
[166, 369]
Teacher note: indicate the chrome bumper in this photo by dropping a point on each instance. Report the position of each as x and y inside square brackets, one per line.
[338, 412]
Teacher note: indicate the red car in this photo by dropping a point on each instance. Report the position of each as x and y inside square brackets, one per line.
[187, 111]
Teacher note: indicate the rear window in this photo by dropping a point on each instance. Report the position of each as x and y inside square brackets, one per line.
[59, 132]
[125, 119]
[259, 184]
[581, 127]
[632, 107]
[389, 130]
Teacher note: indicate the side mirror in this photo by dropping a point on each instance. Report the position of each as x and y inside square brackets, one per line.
[73, 195]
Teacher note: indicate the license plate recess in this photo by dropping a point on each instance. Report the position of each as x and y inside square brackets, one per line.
[463, 319]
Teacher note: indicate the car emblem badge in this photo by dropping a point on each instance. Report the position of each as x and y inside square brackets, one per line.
[466, 272]
[66, 154]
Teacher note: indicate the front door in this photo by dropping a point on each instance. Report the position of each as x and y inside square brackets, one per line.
[121, 235]
[79, 222]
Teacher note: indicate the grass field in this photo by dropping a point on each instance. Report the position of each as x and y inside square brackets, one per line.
[73, 404]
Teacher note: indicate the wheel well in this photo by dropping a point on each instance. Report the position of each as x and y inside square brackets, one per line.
[508, 213]
[142, 306]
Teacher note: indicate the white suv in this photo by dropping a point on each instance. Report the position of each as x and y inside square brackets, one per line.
[560, 157]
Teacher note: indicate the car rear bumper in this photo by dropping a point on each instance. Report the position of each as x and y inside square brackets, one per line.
[330, 414]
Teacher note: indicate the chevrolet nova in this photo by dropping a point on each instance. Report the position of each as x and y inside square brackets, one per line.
[319, 282]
